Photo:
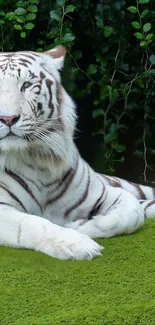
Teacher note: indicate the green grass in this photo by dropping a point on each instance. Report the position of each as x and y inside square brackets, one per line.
[115, 289]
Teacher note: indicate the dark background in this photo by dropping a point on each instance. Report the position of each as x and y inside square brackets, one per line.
[109, 71]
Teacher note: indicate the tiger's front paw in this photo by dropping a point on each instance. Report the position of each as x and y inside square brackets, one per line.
[70, 245]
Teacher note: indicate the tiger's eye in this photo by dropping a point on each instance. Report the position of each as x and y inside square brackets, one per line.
[26, 85]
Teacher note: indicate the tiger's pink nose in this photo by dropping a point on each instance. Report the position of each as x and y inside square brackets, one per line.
[9, 120]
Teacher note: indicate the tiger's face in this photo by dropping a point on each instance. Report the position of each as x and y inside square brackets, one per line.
[35, 110]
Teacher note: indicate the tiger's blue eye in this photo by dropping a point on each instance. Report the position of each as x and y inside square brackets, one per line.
[26, 85]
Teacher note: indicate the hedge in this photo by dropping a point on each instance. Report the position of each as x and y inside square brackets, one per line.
[110, 66]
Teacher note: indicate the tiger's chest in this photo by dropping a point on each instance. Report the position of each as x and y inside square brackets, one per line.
[29, 189]
[60, 199]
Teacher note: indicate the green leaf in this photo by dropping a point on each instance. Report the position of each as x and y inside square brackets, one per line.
[2, 13]
[136, 24]
[23, 34]
[40, 41]
[77, 54]
[108, 31]
[119, 147]
[29, 26]
[21, 4]
[32, 1]
[10, 15]
[97, 113]
[75, 71]
[139, 35]
[146, 27]
[152, 58]
[143, 43]
[69, 8]
[20, 19]
[31, 16]
[57, 41]
[142, 2]
[102, 60]
[139, 153]
[39, 49]
[20, 11]
[140, 83]
[92, 69]
[152, 72]
[99, 22]
[55, 15]
[120, 159]
[17, 26]
[151, 151]
[32, 8]
[149, 36]
[60, 2]
[89, 86]
[144, 13]
[69, 37]
[96, 102]
[132, 9]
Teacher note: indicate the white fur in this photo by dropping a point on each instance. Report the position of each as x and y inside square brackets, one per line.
[42, 226]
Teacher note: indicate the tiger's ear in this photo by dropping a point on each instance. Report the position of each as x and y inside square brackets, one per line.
[58, 54]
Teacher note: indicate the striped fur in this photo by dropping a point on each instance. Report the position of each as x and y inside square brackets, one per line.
[50, 198]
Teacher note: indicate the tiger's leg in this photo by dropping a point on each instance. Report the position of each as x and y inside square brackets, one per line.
[121, 214]
[21, 230]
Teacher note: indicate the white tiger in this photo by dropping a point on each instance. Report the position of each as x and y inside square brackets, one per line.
[50, 199]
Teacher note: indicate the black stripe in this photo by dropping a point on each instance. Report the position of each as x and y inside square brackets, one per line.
[96, 207]
[34, 183]
[149, 204]
[116, 201]
[42, 76]
[49, 84]
[20, 63]
[32, 75]
[24, 185]
[153, 190]
[19, 72]
[140, 191]
[82, 176]
[25, 61]
[13, 197]
[112, 182]
[30, 56]
[4, 203]
[81, 200]
[64, 183]
[32, 106]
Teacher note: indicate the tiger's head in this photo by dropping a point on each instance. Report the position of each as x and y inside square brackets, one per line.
[36, 113]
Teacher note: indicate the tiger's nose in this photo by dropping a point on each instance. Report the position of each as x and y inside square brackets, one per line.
[9, 120]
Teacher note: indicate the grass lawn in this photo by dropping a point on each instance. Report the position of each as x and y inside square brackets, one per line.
[117, 288]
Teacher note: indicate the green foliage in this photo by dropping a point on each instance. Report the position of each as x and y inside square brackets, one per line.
[110, 61]
[132, 9]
